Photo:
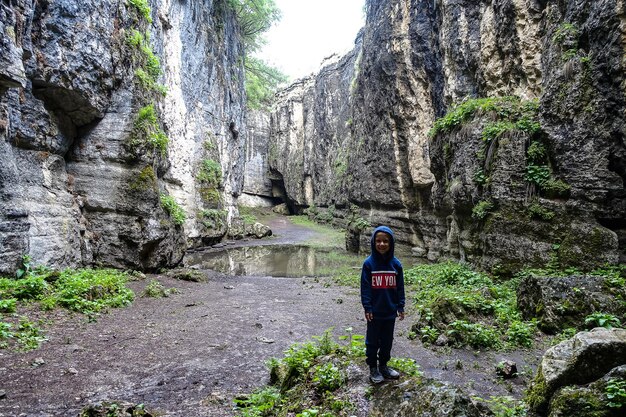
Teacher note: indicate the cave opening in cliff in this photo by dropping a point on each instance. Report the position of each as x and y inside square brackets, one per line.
[279, 191]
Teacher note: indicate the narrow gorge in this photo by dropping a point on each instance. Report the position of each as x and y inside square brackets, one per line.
[490, 134]
[534, 172]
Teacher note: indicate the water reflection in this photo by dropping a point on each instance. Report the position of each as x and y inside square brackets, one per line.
[277, 261]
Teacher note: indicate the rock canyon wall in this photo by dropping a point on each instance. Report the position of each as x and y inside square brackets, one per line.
[121, 130]
[529, 170]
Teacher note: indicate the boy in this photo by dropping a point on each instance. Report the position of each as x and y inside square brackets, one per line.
[382, 296]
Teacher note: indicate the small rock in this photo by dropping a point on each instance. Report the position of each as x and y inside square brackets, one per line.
[72, 371]
[442, 340]
[506, 369]
[38, 362]
[263, 339]
[229, 287]
[3, 394]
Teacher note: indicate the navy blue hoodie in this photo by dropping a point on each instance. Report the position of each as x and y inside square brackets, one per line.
[382, 281]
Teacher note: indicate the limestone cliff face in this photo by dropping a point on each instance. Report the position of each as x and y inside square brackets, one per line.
[449, 194]
[75, 189]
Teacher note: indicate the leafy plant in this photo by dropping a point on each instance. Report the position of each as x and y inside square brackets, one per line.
[495, 129]
[25, 334]
[356, 343]
[555, 188]
[147, 132]
[25, 268]
[29, 335]
[615, 392]
[407, 366]
[213, 219]
[566, 32]
[536, 210]
[155, 289]
[8, 306]
[505, 406]
[260, 403]
[91, 291]
[521, 333]
[480, 177]
[477, 311]
[537, 174]
[143, 8]
[482, 209]
[172, 208]
[476, 335]
[536, 152]
[512, 112]
[327, 377]
[210, 173]
[262, 81]
[605, 320]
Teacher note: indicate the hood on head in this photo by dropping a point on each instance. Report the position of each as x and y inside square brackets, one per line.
[392, 245]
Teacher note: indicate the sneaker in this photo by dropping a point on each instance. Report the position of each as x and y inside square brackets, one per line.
[389, 373]
[375, 375]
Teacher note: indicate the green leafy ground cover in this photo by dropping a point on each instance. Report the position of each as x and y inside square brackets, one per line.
[88, 291]
[313, 379]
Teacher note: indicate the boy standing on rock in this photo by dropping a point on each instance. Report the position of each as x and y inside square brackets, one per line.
[382, 296]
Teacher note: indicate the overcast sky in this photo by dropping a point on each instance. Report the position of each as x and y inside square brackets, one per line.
[309, 31]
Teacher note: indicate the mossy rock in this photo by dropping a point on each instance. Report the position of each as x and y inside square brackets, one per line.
[186, 274]
[579, 402]
[115, 409]
[587, 247]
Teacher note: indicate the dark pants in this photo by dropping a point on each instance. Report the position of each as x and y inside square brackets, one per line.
[378, 341]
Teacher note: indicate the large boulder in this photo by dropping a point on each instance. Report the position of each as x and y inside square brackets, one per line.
[560, 302]
[583, 359]
[591, 400]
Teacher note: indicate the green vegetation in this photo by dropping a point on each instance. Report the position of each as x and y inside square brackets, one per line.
[262, 81]
[172, 208]
[213, 219]
[254, 18]
[480, 178]
[331, 238]
[143, 8]
[555, 188]
[514, 114]
[537, 174]
[537, 211]
[536, 152]
[467, 306]
[310, 380]
[86, 291]
[605, 320]
[495, 129]
[615, 393]
[147, 133]
[482, 209]
[505, 406]
[146, 180]
[210, 173]
[155, 289]
[148, 64]
[566, 36]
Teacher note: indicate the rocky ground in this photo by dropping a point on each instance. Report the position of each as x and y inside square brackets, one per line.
[189, 354]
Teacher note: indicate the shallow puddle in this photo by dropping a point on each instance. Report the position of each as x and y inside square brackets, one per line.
[276, 261]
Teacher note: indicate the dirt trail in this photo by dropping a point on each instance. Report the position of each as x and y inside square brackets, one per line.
[191, 353]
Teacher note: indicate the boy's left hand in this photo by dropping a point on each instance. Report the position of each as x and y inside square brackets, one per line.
[401, 315]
